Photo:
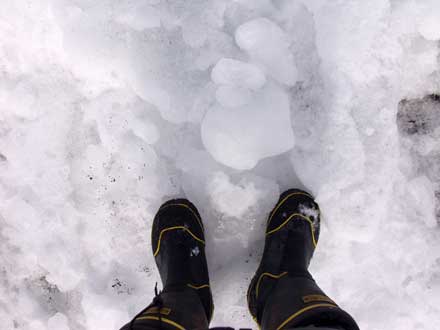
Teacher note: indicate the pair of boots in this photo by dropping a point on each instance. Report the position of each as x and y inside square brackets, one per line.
[282, 294]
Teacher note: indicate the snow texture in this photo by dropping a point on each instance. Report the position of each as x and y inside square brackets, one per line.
[108, 108]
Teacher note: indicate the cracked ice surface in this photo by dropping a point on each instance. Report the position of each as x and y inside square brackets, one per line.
[108, 108]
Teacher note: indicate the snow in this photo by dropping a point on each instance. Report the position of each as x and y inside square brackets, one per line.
[423, 193]
[109, 108]
[429, 24]
[237, 200]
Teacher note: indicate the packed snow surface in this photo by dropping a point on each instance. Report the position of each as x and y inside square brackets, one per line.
[108, 108]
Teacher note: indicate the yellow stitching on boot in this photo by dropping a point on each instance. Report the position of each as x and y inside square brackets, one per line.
[291, 317]
[185, 206]
[290, 218]
[176, 228]
[155, 318]
[198, 287]
[316, 297]
[156, 310]
[269, 275]
[283, 201]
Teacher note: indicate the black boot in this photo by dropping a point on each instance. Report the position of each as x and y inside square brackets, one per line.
[283, 294]
[178, 244]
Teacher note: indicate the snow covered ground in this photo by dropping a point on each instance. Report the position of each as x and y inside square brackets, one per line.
[108, 108]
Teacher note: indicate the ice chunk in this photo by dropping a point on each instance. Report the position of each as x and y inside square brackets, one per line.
[232, 97]
[58, 322]
[242, 136]
[268, 45]
[252, 35]
[235, 73]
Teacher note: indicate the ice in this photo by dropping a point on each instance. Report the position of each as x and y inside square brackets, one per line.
[58, 322]
[267, 44]
[240, 137]
[109, 108]
[233, 97]
[237, 80]
[238, 74]
[251, 120]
